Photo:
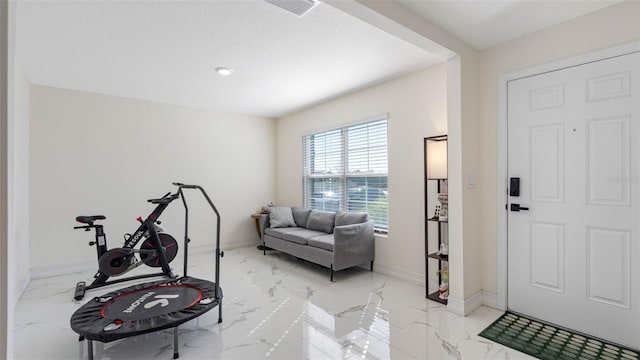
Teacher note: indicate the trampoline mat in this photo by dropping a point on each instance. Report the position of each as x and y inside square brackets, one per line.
[144, 308]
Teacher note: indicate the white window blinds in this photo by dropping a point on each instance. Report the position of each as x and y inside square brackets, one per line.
[346, 169]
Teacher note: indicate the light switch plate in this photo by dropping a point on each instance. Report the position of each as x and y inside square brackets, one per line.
[471, 182]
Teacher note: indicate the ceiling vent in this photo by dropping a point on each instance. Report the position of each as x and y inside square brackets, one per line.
[298, 7]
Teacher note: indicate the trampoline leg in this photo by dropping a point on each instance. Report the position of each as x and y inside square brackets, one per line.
[175, 343]
[90, 349]
[220, 312]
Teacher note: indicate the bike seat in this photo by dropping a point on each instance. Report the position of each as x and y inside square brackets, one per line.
[89, 219]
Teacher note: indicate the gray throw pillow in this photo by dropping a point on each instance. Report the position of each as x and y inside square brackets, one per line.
[281, 217]
[301, 216]
[321, 221]
[350, 218]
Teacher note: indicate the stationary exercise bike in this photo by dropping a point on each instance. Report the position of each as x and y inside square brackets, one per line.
[158, 248]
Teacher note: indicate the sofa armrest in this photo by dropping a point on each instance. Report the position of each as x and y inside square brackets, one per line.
[353, 245]
[264, 223]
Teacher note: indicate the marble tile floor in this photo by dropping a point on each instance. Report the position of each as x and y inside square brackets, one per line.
[274, 307]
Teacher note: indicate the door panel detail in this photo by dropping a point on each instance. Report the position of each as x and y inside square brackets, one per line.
[574, 143]
[608, 269]
[545, 98]
[608, 87]
[608, 161]
[547, 163]
[547, 256]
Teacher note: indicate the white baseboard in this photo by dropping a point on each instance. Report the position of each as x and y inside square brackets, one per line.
[408, 276]
[455, 305]
[43, 272]
[211, 248]
[241, 244]
[21, 286]
[466, 306]
[202, 249]
[490, 299]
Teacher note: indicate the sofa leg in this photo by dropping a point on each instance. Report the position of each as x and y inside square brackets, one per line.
[371, 266]
[331, 273]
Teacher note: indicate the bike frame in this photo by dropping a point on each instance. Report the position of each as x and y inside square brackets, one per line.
[147, 226]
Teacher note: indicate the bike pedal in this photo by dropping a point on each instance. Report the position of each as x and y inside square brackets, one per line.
[80, 290]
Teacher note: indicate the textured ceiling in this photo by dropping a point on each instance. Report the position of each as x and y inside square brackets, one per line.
[166, 51]
[485, 23]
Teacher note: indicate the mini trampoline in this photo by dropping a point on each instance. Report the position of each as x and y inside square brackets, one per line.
[150, 306]
[144, 308]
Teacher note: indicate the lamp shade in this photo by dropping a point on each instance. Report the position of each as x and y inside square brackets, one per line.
[437, 159]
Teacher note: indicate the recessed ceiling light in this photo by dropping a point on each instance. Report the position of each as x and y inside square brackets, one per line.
[224, 71]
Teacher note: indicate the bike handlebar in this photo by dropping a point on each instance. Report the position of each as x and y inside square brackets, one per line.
[185, 186]
[167, 198]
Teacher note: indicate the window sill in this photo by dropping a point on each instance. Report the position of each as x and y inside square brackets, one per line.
[380, 235]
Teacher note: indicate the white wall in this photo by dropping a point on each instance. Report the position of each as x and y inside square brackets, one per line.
[611, 26]
[465, 273]
[96, 154]
[19, 183]
[417, 107]
[18, 200]
[17, 179]
[14, 185]
[5, 312]
[473, 122]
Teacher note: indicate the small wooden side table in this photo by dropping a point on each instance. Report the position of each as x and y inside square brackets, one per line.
[256, 217]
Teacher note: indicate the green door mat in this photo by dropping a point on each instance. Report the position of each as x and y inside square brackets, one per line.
[546, 341]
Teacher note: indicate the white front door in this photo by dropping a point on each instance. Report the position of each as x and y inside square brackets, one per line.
[574, 143]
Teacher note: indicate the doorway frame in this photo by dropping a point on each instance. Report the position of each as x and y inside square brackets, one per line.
[502, 182]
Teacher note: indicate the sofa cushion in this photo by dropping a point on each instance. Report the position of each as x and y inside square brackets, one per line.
[350, 218]
[300, 215]
[321, 221]
[323, 242]
[278, 232]
[301, 237]
[281, 217]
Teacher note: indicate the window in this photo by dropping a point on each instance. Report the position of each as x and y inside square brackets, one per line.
[346, 169]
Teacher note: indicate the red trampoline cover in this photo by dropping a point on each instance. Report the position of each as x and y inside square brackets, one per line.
[144, 308]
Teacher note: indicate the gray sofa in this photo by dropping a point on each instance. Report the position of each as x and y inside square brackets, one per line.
[334, 240]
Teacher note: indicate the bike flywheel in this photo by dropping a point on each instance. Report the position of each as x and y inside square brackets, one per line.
[116, 261]
[169, 246]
